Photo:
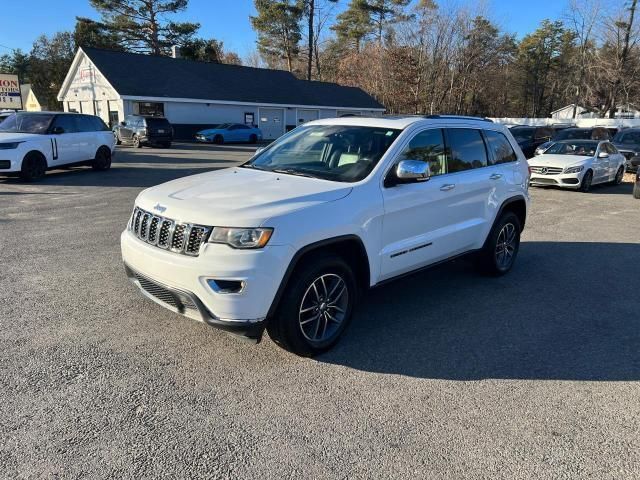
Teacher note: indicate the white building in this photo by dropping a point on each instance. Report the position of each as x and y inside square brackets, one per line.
[566, 113]
[193, 95]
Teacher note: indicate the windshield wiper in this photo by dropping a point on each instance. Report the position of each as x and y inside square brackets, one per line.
[291, 171]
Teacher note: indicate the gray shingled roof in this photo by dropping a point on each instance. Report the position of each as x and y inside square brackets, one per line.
[155, 76]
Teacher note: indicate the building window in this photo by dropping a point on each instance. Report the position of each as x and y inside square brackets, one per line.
[249, 118]
[150, 109]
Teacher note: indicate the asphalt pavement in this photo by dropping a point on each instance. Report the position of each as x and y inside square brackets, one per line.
[442, 375]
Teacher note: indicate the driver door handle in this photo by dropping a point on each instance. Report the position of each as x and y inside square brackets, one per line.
[495, 176]
[447, 187]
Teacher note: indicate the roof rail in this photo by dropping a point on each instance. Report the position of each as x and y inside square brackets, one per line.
[461, 117]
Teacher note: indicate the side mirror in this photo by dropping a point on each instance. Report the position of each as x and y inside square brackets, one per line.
[258, 150]
[57, 130]
[409, 171]
[603, 155]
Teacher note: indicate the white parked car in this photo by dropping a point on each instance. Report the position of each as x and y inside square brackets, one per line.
[32, 142]
[289, 240]
[578, 164]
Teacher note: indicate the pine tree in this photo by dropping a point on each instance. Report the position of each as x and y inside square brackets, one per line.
[140, 24]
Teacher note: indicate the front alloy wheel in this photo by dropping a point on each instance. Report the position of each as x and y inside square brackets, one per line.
[619, 176]
[316, 306]
[323, 308]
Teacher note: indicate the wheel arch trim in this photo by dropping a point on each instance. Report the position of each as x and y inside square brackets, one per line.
[298, 256]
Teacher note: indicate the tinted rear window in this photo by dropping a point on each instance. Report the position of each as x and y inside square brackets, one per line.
[500, 147]
[467, 149]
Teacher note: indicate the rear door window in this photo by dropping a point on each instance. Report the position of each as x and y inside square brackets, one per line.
[467, 149]
[500, 147]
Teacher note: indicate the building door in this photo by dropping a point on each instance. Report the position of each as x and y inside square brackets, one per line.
[271, 122]
[307, 115]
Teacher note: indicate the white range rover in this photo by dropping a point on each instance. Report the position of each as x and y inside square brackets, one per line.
[33, 142]
[289, 240]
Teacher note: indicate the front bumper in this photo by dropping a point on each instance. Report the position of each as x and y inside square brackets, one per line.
[189, 305]
[565, 180]
[11, 160]
[261, 272]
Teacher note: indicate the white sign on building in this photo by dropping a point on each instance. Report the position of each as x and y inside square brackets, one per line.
[10, 92]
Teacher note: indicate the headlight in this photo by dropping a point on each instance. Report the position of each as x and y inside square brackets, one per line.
[574, 169]
[9, 146]
[241, 237]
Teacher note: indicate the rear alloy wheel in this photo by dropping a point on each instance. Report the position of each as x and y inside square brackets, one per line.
[501, 248]
[316, 307]
[619, 176]
[102, 160]
[218, 140]
[585, 186]
[136, 142]
[34, 167]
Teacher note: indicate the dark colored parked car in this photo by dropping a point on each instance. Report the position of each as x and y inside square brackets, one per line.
[627, 141]
[594, 133]
[139, 130]
[529, 138]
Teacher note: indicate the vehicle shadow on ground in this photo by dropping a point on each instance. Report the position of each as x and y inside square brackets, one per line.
[608, 189]
[567, 311]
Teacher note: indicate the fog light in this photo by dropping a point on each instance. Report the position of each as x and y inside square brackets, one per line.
[225, 286]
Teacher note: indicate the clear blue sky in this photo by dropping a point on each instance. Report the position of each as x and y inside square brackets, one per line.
[228, 20]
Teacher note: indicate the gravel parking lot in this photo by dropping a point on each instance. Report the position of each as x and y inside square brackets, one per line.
[444, 374]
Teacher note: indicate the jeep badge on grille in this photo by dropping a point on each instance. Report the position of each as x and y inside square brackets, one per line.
[159, 208]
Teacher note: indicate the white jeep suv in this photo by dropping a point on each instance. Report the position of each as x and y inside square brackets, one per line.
[289, 240]
[32, 142]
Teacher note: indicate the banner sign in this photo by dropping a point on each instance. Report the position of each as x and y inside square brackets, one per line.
[10, 92]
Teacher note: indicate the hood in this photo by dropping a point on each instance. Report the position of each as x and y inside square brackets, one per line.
[628, 147]
[17, 137]
[209, 131]
[560, 161]
[237, 197]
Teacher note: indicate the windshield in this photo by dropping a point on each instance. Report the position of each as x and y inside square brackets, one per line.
[343, 153]
[157, 122]
[585, 149]
[573, 133]
[627, 137]
[27, 123]
[522, 134]
[223, 126]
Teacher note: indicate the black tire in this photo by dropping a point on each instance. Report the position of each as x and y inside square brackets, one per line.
[218, 140]
[253, 138]
[636, 190]
[501, 247]
[136, 142]
[102, 160]
[585, 186]
[293, 327]
[165, 144]
[619, 176]
[34, 167]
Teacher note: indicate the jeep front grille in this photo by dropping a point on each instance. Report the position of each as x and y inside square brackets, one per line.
[184, 238]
